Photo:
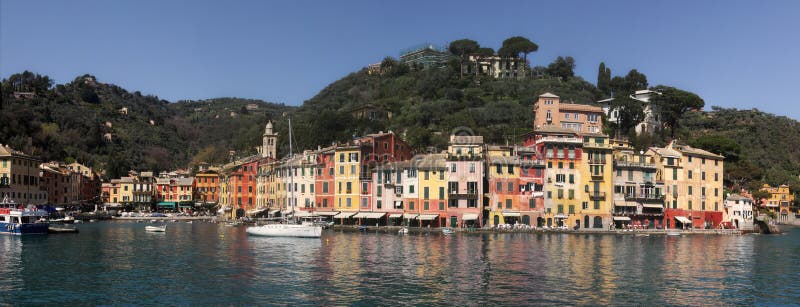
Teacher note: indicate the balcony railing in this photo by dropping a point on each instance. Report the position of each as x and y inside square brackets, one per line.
[364, 175]
[597, 161]
[467, 195]
[597, 195]
[645, 198]
[598, 175]
[596, 145]
[634, 164]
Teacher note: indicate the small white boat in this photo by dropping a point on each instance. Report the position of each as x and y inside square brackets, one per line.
[403, 231]
[188, 222]
[155, 228]
[305, 230]
[448, 231]
[674, 234]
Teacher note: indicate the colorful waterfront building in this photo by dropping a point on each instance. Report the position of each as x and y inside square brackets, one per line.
[207, 187]
[324, 182]
[502, 174]
[563, 154]
[596, 168]
[429, 172]
[550, 111]
[531, 184]
[739, 212]
[347, 187]
[388, 193]
[693, 184]
[465, 176]
[638, 192]
[241, 183]
[19, 178]
[55, 182]
[175, 193]
[779, 201]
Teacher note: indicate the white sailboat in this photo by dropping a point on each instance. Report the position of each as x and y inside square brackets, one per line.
[304, 230]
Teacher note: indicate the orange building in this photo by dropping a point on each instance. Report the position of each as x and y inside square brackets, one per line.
[207, 187]
[549, 110]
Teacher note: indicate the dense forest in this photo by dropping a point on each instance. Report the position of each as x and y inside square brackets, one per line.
[82, 120]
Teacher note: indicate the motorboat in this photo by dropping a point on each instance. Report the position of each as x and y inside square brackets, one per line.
[155, 228]
[23, 221]
[448, 231]
[403, 231]
[304, 230]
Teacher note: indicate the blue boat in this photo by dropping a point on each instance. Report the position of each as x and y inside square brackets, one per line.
[23, 221]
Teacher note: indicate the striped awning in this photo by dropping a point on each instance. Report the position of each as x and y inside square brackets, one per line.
[360, 215]
[469, 216]
[376, 215]
[345, 215]
[683, 219]
[395, 215]
[427, 217]
[410, 215]
[327, 213]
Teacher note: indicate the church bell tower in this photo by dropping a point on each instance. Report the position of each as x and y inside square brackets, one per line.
[269, 145]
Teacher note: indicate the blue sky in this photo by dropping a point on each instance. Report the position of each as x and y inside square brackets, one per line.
[741, 54]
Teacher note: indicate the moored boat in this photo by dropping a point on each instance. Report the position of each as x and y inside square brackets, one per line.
[155, 228]
[305, 230]
[448, 231]
[23, 221]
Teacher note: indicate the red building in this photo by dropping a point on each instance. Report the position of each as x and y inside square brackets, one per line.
[324, 180]
[242, 185]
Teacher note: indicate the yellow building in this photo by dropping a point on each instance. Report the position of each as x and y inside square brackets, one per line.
[503, 173]
[19, 178]
[596, 184]
[347, 188]
[779, 201]
[692, 183]
[430, 171]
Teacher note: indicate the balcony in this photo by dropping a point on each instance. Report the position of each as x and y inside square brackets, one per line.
[597, 195]
[597, 145]
[647, 198]
[467, 195]
[628, 164]
[365, 175]
[598, 175]
[597, 161]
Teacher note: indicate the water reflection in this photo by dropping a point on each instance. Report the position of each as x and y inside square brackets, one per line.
[203, 263]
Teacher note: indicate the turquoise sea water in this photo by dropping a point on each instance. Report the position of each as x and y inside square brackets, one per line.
[210, 264]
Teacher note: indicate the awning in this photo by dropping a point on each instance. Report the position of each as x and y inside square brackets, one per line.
[622, 218]
[427, 217]
[375, 215]
[345, 215]
[166, 204]
[255, 211]
[560, 216]
[654, 206]
[510, 214]
[469, 216]
[273, 212]
[622, 203]
[361, 215]
[327, 213]
[683, 219]
[410, 215]
[304, 214]
[395, 215]
[286, 211]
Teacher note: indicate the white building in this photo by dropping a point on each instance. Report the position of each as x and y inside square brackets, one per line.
[739, 212]
[651, 121]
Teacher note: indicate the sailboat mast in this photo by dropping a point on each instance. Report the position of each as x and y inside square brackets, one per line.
[291, 169]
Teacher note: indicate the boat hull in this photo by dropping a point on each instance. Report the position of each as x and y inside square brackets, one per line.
[155, 229]
[284, 230]
[24, 229]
